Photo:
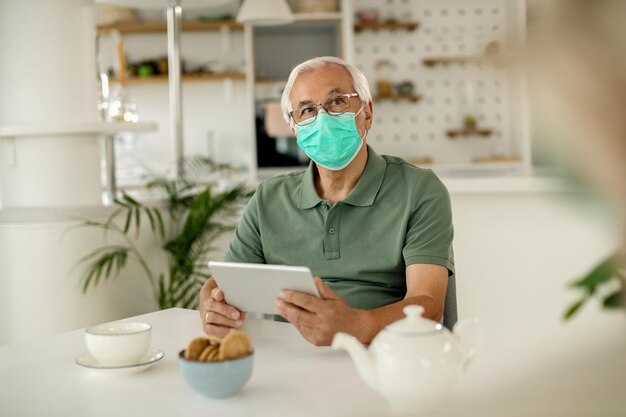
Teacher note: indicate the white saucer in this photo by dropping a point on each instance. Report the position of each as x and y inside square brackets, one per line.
[150, 358]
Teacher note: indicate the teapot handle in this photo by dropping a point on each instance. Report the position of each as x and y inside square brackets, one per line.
[469, 334]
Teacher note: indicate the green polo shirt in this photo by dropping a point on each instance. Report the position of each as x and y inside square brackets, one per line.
[395, 216]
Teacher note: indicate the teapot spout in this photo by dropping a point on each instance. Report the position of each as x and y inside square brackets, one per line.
[360, 355]
[469, 334]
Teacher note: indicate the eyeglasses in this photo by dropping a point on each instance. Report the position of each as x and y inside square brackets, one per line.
[335, 106]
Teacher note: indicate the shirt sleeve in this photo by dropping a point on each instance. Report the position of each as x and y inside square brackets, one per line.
[246, 245]
[429, 231]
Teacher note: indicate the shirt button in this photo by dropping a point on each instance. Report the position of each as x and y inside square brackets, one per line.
[325, 206]
[331, 231]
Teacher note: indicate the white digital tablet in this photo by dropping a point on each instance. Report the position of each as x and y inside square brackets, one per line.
[255, 287]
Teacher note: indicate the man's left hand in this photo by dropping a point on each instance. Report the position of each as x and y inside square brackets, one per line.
[318, 319]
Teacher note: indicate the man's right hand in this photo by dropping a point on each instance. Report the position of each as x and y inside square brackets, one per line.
[218, 318]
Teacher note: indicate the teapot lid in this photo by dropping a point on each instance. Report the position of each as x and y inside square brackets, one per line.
[414, 323]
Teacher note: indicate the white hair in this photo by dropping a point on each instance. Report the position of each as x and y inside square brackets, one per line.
[359, 81]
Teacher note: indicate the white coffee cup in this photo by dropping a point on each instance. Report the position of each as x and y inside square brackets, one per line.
[118, 344]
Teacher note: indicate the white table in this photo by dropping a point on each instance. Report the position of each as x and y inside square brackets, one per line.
[290, 378]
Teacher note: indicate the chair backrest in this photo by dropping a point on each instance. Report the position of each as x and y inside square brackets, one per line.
[449, 311]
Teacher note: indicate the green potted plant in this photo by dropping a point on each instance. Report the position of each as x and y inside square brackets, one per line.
[196, 216]
[606, 281]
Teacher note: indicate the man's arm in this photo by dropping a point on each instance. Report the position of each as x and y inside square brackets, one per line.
[319, 319]
[426, 285]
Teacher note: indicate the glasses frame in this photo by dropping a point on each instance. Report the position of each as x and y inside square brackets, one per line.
[317, 106]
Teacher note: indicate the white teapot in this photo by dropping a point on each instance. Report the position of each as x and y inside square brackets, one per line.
[414, 362]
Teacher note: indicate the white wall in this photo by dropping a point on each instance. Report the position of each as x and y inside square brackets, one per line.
[46, 62]
[516, 253]
[40, 292]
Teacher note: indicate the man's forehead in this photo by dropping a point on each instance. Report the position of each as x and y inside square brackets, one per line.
[330, 92]
[320, 83]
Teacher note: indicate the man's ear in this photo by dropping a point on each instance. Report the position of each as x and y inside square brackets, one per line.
[369, 115]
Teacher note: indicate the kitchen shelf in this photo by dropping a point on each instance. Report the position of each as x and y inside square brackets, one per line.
[481, 132]
[432, 62]
[420, 162]
[409, 26]
[186, 77]
[414, 98]
[154, 27]
[496, 160]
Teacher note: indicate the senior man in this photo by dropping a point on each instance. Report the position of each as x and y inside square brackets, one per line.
[376, 230]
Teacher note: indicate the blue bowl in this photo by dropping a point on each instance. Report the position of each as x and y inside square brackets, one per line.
[216, 379]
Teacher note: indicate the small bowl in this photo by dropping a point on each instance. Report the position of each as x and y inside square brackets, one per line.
[118, 344]
[368, 16]
[216, 379]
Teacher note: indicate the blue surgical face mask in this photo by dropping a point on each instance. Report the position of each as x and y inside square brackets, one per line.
[331, 141]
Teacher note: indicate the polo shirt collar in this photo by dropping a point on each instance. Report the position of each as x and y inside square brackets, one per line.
[308, 193]
[363, 194]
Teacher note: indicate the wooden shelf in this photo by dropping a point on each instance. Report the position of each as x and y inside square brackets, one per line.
[422, 161]
[432, 62]
[186, 77]
[481, 132]
[496, 160]
[414, 98]
[410, 26]
[154, 27]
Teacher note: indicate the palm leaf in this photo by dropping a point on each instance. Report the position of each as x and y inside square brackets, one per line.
[602, 273]
[183, 291]
[85, 223]
[121, 203]
[202, 275]
[130, 200]
[613, 300]
[191, 300]
[129, 216]
[159, 218]
[137, 221]
[109, 262]
[150, 218]
[573, 309]
[98, 251]
[162, 292]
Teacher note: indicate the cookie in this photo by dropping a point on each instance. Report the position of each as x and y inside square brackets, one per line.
[214, 355]
[209, 352]
[195, 348]
[235, 345]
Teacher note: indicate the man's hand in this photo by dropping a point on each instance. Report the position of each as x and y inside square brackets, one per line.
[218, 318]
[318, 319]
